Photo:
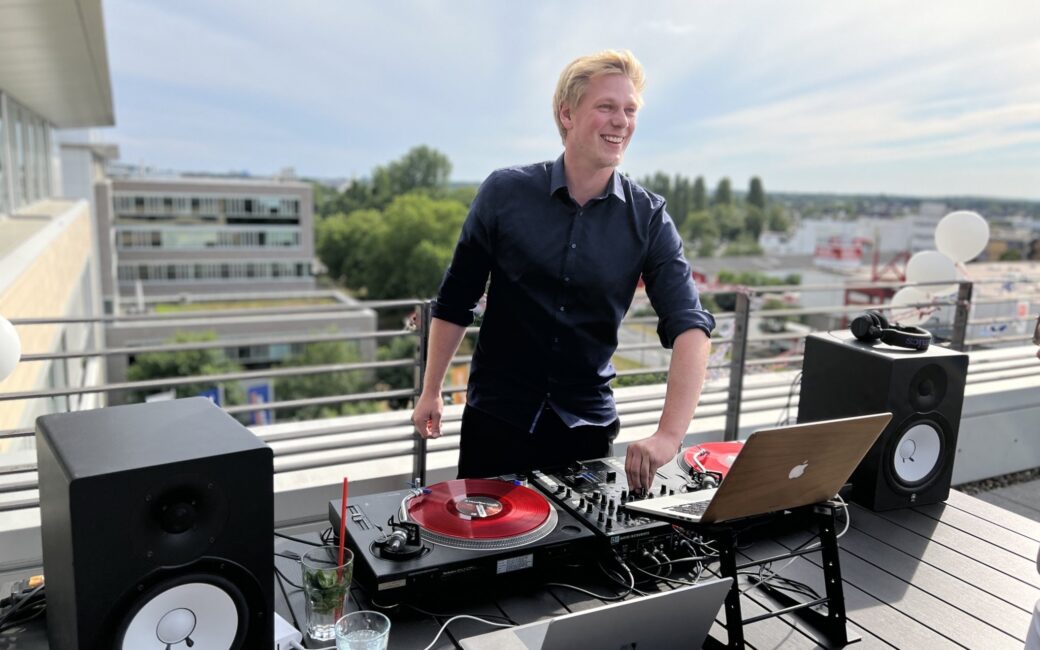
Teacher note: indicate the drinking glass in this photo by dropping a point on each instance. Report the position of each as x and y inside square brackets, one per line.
[326, 583]
[362, 630]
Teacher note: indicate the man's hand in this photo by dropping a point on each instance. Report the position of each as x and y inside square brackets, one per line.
[427, 415]
[645, 456]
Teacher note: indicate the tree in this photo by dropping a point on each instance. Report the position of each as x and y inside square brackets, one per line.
[679, 204]
[700, 195]
[324, 384]
[345, 243]
[409, 256]
[699, 226]
[420, 168]
[707, 247]
[402, 347]
[777, 219]
[186, 363]
[754, 221]
[729, 221]
[723, 193]
[756, 194]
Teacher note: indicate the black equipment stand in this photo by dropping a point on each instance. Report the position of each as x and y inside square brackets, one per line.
[829, 630]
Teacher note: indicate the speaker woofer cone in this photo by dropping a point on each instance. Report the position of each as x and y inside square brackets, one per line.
[915, 456]
[218, 600]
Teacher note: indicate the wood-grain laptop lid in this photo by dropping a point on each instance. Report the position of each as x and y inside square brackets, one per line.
[794, 466]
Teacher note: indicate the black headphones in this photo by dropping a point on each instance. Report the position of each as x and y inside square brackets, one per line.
[872, 326]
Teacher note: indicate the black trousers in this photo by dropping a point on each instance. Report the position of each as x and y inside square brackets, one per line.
[492, 447]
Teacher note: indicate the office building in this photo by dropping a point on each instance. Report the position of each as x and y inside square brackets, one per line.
[186, 235]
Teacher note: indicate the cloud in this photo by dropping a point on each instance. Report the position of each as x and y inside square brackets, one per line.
[798, 90]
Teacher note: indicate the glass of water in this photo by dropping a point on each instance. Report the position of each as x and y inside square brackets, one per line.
[326, 583]
[362, 631]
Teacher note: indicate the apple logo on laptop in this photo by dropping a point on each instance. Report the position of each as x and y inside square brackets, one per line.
[798, 470]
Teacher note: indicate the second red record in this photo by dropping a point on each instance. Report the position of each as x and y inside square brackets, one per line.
[479, 509]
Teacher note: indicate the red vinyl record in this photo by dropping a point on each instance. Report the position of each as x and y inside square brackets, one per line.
[713, 456]
[479, 509]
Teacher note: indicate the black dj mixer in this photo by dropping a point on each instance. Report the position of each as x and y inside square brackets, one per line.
[593, 492]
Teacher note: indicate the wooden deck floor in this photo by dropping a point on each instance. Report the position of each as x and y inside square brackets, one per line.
[958, 574]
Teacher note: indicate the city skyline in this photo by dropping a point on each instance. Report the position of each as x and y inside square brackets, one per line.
[931, 100]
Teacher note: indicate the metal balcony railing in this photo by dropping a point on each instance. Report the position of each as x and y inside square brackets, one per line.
[739, 350]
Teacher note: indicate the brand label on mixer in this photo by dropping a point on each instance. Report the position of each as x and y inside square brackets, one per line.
[515, 563]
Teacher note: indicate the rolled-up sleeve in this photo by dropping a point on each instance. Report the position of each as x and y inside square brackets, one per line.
[669, 283]
[467, 275]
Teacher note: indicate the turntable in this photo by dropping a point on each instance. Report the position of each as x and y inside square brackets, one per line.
[710, 458]
[467, 528]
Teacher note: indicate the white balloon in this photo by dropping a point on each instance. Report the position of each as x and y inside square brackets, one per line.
[10, 348]
[932, 266]
[905, 315]
[962, 235]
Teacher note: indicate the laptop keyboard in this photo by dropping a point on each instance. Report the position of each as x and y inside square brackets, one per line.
[696, 508]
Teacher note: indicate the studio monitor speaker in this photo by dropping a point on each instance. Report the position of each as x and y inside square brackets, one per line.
[912, 461]
[157, 529]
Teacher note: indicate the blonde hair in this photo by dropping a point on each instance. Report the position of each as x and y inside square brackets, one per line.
[575, 79]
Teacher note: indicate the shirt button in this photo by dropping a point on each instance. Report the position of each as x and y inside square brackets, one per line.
[574, 245]
[562, 308]
[556, 339]
[566, 278]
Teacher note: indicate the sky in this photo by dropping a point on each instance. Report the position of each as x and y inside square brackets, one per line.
[926, 98]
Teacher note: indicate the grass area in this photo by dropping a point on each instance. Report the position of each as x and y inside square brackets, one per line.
[217, 305]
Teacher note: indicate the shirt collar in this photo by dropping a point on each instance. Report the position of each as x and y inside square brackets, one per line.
[558, 179]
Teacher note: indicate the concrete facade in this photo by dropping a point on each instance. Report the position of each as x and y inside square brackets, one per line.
[169, 236]
[47, 273]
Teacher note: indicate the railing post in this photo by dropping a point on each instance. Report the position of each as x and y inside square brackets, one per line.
[738, 354]
[960, 316]
[425, 316]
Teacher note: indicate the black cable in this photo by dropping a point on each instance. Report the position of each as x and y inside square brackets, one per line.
[281, 585]
[327, 536]
[297, 539]
[675, 580]
[436, 615]
[19, 603]
[289, 555]
[785, 414]
[616, 577]
[284, 577]
[792, 585]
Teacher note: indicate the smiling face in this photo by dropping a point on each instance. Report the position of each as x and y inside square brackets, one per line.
[600, 127]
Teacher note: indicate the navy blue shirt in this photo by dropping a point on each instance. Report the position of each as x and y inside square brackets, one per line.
[562, 278]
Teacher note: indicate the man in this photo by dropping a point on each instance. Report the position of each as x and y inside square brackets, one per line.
[565, 244]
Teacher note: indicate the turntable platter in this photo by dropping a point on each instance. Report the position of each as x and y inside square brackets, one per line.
[481, 513]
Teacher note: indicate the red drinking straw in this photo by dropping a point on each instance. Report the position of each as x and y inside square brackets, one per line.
[342, 523]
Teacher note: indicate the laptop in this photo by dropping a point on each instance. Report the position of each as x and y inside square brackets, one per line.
[679, 618]
[777, 469]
